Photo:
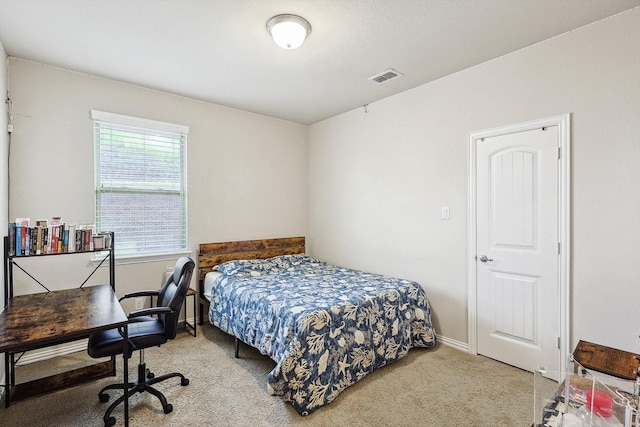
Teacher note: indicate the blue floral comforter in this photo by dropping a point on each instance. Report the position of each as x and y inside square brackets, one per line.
[326, 327]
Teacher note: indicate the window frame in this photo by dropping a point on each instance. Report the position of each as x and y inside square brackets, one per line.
[119, 119]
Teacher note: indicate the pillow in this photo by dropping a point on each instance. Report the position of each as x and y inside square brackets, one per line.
[299, 260]
[245, 267]
[259, 267]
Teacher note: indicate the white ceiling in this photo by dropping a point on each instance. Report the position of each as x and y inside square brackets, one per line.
[219, 50]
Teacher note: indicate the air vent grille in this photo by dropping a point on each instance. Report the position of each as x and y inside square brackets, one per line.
[385, 76]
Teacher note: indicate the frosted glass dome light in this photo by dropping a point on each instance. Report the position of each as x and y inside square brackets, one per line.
[288, 31]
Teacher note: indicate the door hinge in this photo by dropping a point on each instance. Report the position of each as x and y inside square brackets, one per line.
[559, 249]
[559, 151]
[558, 343]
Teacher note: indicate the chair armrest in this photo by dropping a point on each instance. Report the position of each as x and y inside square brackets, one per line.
[149, 312]
[147, 293]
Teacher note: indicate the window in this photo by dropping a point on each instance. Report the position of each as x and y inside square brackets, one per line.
[140, 176]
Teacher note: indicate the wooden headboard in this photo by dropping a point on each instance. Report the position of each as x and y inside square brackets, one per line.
[211, 254]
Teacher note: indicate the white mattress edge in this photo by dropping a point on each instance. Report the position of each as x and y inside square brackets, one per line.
[209, 280]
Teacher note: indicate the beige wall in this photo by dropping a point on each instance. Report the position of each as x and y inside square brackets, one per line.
[247, 173]
[370, 185]
[379, 179]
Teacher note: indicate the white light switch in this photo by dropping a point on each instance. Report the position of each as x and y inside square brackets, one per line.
[445, 212]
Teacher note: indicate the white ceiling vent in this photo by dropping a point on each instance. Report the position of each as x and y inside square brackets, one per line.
[385, 76]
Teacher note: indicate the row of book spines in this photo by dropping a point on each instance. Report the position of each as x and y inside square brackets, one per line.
[54, 239]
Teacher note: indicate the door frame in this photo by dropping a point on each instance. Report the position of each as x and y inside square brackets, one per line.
[564, 227]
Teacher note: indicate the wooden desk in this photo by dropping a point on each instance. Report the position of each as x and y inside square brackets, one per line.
[611, 361]
[40, 320]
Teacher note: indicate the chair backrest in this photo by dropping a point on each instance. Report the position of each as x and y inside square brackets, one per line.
[173, 293]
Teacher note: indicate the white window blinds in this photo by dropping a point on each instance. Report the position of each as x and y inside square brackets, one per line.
[140, 176]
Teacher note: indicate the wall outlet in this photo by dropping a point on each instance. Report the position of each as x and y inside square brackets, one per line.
[139, 302]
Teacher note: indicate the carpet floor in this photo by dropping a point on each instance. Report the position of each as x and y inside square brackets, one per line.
[429, 387]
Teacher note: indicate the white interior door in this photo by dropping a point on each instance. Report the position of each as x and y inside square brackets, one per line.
[517, 247]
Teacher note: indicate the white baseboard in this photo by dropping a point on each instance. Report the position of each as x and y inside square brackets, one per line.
[51, 352]
[60, 350]
[463, 346]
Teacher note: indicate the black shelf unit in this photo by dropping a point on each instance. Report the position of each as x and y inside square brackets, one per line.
[10, 262]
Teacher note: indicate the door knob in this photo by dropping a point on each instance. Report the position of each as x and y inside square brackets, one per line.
[484, 258]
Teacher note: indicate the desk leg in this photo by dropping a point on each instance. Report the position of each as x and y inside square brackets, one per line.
[7, 381]
[125, 369]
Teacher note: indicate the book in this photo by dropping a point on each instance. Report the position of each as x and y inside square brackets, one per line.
[71, 244]
[34, 241]
[45, 240]
[12, 238]
[55, 232]
[38, 240]
[88, 238]
[79, 239]
[48, 237]
[60, 238]
[18, 239]
[65, 238]
[26, 242]
[21, 236]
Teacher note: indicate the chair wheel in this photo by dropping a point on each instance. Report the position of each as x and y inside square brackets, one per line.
[168, 409]
[103, 397]
[184, 381]
[110, 422]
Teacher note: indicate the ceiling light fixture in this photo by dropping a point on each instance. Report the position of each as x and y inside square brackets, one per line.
[288, 31]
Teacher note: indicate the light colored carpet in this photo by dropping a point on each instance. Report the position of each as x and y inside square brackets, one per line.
[429, 387]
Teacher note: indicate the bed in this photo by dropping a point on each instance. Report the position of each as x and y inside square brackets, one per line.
[325, 326]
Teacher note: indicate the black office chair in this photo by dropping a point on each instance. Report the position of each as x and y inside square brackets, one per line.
[146, 328]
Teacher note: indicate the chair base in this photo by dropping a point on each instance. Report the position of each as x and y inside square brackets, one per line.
[144, 384]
